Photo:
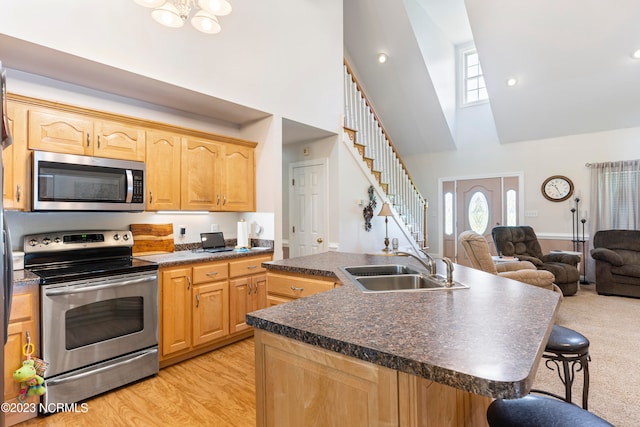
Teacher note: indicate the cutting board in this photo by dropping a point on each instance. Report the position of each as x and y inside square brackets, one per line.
[152, 238]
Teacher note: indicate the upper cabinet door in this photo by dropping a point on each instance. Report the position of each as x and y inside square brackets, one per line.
[60, 132]
[200, 165]
[16, 158]
[163, 170]
[119, 141]
[238, 181]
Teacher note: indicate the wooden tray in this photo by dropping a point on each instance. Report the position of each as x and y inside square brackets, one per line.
[152, 238]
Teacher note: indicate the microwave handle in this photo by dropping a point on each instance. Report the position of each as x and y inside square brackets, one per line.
[129, 186]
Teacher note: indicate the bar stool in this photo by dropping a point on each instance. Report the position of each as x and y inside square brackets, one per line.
[570, 349]
[539, 411]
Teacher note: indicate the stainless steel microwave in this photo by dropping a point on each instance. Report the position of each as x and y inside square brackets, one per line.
[68, 182]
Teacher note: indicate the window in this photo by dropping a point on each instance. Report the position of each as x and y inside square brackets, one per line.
[478, 212]
[448, 214]
[473, 88]
[512, 208]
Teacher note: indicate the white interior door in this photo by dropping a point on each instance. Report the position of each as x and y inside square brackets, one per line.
[308, 204]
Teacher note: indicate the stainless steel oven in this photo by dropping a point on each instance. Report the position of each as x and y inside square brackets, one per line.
[99, 312]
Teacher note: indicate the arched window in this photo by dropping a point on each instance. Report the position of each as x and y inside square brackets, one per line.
[478, 212]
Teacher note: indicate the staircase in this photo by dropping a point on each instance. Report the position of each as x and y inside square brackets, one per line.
[374, 149]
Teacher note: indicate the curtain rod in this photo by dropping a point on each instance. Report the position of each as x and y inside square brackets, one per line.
[595, 164]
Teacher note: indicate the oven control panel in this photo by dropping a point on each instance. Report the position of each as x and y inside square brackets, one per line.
[73, 240]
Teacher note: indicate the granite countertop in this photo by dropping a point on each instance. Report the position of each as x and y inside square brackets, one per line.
[190, 256]
[487, 339]
[24, 277]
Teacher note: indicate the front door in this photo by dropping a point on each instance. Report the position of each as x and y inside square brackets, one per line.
[479, 205]
[308, 201]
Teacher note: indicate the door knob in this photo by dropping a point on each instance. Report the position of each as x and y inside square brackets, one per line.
[319, 240]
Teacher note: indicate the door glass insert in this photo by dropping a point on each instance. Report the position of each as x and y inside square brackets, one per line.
[478, 212]
[448, 214]
[511, 208]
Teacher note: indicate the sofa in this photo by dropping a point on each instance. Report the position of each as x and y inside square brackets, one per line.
[522, 243]
[617, 257]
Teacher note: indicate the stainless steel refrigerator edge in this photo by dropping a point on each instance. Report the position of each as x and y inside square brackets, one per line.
[6, 260]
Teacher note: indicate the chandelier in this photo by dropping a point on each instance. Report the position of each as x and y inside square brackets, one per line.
[173, 13]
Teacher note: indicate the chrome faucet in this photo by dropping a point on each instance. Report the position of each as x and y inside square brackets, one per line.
[430, 264]
[449, 264]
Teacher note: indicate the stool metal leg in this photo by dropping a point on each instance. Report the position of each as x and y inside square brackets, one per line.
[570, 365]
[585, 383]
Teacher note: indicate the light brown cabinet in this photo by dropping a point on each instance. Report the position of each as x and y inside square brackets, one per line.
[72, 133]
[285, 287]
[200, 176]
[194, 306]
[248, 287]
[186, 169]
[217, 176]
[350, 391]
[163, 170]
[16, 160]
[238, 184]
[203, 305]
[23, 326]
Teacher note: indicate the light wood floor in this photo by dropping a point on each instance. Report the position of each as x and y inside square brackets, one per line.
[215, 389]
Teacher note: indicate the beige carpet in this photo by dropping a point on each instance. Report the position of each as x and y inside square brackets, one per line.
[612, 325]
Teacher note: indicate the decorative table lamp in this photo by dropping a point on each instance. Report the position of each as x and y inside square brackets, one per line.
[386, 212]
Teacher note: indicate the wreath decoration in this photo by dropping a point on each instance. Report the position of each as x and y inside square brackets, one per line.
[367, 212]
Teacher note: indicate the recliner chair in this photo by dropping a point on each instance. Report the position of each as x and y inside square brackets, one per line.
[522, 243]
[476, 248]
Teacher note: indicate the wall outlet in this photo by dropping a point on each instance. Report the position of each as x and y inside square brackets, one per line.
[214, 228]
[183, 230]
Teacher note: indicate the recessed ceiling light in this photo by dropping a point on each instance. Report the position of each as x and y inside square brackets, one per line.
[382, 57]
[636, 54]
[512, 81]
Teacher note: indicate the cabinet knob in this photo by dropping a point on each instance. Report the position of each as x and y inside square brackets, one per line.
[319, 240]
[197, 300]
[18, 192]
[293, 288]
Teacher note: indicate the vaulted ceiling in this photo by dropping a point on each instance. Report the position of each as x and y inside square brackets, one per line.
[572, 60]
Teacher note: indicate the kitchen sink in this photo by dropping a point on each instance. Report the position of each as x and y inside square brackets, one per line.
[405, 282]
[380, 270]
[396, 278]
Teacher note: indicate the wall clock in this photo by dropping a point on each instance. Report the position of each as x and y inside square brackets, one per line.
[557, 188]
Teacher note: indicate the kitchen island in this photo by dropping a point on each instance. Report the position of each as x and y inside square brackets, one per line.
[401, 358]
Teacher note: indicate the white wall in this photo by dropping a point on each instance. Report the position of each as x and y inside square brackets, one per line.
[479, 153]
[263, 57]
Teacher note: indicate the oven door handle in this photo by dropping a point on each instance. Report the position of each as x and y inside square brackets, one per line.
[94, 371]
[90, 288]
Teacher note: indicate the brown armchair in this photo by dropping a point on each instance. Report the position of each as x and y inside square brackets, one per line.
[522, 243]
[617, 255]
[477, 250]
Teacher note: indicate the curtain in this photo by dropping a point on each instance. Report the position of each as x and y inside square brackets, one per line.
[615, 198]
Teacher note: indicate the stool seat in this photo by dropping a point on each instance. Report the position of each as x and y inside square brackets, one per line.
[538, 411]
[565, 340]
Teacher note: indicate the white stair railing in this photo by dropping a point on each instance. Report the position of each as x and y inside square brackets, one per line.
[386, 167]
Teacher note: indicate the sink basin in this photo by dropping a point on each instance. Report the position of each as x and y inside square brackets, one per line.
[405, 282]
[395, 278]
[380, 270]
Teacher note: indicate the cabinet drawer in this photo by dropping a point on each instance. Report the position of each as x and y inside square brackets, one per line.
[247, 266]
[210, 272]
[296, 286]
